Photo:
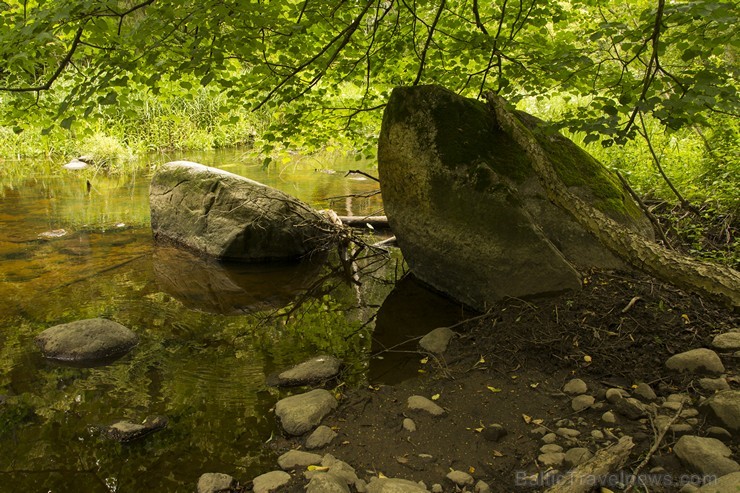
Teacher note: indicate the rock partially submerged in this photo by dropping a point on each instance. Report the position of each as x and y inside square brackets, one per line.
[470, 214]
[314, 370]
[126, 431]
[227, 216]
[91, 340]
[215, 482]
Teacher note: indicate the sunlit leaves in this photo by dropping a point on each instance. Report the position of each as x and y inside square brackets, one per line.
[325, 65]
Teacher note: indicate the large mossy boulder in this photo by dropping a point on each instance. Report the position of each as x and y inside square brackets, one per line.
[469, 212]
[227, 216]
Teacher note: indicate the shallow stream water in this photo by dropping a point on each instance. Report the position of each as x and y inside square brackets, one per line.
[78, 245]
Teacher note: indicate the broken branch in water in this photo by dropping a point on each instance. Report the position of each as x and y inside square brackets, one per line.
[358, 172]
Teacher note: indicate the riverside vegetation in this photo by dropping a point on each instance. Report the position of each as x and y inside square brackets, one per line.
[648, 87]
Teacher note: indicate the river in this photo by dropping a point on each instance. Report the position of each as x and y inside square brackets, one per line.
[78, 245]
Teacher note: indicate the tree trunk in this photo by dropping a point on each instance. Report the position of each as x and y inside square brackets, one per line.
[708, 279]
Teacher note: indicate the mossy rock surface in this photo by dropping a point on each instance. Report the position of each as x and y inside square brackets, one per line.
[469, 212]
[227, 216]
[92, 340]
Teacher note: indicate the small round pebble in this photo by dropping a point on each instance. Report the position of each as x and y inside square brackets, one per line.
[613, 395]
[482, 487]
[577, 456]
[551, 448]
[575, 387]
[582, 402]
[460, 478]
[550, 438]
[609, 418]
[645, 391]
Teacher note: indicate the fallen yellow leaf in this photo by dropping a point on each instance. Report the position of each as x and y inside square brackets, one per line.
[424, 361]
[494, 389]
[435, 397]
[587, 358]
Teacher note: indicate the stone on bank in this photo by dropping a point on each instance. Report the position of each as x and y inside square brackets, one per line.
[304, 412]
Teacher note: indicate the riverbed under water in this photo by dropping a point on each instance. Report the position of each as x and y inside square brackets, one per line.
[78, 245]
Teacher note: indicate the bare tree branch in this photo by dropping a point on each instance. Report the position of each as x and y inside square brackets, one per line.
[428, 42]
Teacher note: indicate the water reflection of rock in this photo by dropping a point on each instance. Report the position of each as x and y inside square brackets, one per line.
[409, 312]
[218, 287]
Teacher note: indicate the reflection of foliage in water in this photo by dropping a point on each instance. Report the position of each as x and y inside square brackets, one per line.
[204, 371]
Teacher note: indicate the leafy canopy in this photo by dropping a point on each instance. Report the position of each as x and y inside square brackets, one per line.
[328, 64]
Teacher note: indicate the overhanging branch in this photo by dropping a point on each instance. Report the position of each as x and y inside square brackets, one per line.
[62, 65]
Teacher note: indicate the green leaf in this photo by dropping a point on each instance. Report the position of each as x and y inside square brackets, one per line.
[67, 122]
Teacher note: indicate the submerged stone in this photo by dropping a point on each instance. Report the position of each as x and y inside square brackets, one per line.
[126, 431]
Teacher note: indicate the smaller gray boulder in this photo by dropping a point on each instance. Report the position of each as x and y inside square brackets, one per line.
[326, 483]
[437, 340]
[726, 484]
[126, 431]
[270, 481]
[460, 478]
[728, 341]
[725, 407]
[215, 482]
[575, 386]
[576, 456]
[421, 403]
[311, 371]
[321, 436]
[581, 402]
[645, 392]
[696, 361]
[551, 459]
[705, 455]
[90, 340]
[392, 485]
[297, 458]
[304, 412]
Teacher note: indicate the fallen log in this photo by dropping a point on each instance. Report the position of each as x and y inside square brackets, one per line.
[584, 477]
[377, 222]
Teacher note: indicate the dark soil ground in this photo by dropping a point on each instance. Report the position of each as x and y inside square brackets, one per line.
[509, 366]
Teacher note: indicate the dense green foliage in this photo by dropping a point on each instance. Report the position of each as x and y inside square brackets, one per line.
[675, 62]
[654, 81]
